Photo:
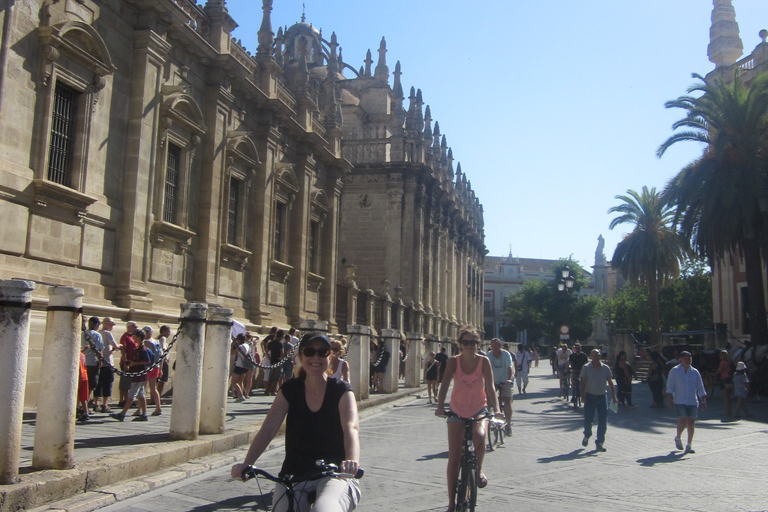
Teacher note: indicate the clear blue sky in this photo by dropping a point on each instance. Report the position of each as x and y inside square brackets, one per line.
[552, 107]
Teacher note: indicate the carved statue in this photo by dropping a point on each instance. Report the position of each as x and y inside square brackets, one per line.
[600, 259]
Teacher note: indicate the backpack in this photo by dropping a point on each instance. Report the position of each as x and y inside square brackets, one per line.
[246, 358]
[154, 353]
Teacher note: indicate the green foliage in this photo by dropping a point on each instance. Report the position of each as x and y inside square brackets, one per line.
[541, 309]
[685, 303]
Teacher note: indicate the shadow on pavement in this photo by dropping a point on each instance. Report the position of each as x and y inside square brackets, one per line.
[441, 455]
[574, 455]
[255, 502]
[110, 441]
[661, 459]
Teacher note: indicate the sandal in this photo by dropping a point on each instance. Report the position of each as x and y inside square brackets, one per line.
[482, 480]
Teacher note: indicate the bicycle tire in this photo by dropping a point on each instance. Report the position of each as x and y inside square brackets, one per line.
[466, 490]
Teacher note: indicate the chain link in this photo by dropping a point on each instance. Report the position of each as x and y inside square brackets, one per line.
[143, 372]
[288, 357]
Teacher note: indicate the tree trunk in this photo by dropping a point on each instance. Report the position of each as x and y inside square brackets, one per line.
[653, 311]
[753, 263]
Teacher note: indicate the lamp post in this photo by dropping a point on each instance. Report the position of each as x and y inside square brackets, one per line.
[566, 282]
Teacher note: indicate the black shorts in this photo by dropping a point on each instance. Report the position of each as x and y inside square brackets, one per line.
[93, 377]
[164, 372]
[240, 371]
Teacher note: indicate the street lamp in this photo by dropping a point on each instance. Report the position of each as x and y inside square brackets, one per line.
[566, 283]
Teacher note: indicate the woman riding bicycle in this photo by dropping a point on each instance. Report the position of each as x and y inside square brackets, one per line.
[322, 423]
[471, 392]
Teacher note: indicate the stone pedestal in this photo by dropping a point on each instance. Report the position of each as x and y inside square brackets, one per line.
[215, 378]
[187, 382]
[392, 339]
[54, 446]
[15, 304]
[359, 359]
[413, 365]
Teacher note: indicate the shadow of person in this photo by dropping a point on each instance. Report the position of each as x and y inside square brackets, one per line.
[661, 459]
[442, 455]
[574, 455]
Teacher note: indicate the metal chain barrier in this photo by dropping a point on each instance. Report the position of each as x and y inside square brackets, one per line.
[143, 372]
[288, 357]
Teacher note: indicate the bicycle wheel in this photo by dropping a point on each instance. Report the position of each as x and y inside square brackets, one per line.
[466, 490]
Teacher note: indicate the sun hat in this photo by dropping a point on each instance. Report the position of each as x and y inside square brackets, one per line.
[741, 366]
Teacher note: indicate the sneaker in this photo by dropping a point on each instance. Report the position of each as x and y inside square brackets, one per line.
[678, 443]
[508, 431]
[585, 441]
[239, 400]
[688, 449]
[119, 416]
[83, 417]
[141, 417]
[599, 447]
[106, 409]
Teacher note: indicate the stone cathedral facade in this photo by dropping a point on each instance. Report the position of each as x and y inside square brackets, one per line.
[148, 158]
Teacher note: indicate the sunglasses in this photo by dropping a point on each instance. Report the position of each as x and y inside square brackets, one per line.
[470, 342]
[310, 352]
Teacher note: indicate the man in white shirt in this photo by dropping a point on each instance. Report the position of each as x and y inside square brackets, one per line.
[594, 380]
[523, 366]
[684, 391]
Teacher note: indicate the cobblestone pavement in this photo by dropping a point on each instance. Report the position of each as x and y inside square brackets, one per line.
[543, 466]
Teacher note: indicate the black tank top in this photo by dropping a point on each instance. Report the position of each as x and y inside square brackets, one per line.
[312, 436]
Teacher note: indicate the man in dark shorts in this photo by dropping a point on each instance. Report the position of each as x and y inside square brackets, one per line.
[577, 360]
[276, 351]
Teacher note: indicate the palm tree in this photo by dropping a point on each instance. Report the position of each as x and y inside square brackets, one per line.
[653, 251]
[718, 196]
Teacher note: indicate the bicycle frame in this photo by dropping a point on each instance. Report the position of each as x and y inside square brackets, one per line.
[466, 486]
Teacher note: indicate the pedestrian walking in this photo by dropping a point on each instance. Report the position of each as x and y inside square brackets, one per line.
[624, 374]
[523, 358]
[441, 358]
[741, 389]
[431, 370]
[106, 375]
[685, 391]
[725, 376]
[595, 377]
[656, 379]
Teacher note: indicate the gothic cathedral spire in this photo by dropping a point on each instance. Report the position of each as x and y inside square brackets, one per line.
[725, 46]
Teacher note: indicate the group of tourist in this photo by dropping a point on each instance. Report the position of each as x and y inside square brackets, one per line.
[138, 350]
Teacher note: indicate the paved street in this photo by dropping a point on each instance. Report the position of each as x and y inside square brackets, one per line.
[541, 467]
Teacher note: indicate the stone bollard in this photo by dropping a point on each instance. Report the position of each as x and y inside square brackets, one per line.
[213, 398]
[54, 446]
[187, 381]
[15, 303]
[359, 359]
[413, 365]
[392, 371]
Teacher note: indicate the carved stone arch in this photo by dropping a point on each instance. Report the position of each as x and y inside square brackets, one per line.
[241, 146]
[287, 178]
[320, 201]
[181, 108]
[79, 42]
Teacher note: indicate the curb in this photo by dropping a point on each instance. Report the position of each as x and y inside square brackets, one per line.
[103, 481]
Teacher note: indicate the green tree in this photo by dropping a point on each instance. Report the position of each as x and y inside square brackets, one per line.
[540, 309]
[652, 252]
[685, 303]
[717, 197]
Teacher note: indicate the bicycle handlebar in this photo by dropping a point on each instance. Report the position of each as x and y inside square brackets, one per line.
[322, 471]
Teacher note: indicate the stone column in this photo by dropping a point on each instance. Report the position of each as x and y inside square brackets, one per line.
[215, 378]
[413, 365]
[54, 446]
[187, 381]
[359, 359]
[391, 373]
[15, 303]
